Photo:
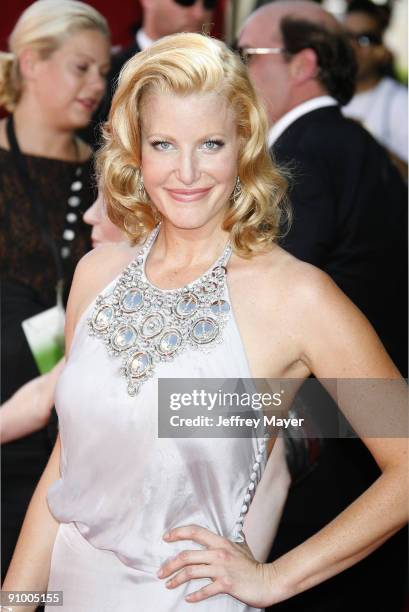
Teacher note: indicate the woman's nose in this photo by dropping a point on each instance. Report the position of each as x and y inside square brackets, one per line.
[98, 84]
[91, 216]
[188, 171]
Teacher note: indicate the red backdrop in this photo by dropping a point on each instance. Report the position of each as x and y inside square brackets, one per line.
[122, 17]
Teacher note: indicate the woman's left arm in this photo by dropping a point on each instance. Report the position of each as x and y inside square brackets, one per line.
[336, 342]
[339, 344]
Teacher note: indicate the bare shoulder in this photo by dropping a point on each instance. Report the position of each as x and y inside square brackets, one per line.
[304, 282]
[318, 324]
[269, 294]
[287, 291]
[335, 337]
[93, 273]
[98, 268]
[277, 272]
[306, 292]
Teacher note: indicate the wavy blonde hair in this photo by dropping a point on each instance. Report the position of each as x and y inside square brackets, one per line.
[184, 64]
[43, 27]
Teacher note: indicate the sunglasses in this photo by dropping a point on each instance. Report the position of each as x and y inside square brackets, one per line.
[365, 39]
[208, 4]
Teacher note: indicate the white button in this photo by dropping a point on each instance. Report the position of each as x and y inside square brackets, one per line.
[259, 458]
[244, 508]
[74, 201]
[68, 234]
[76, 186]
[65, 252]
[71, 217]
[255, 467]
[253, 476]
[78, 172]
[251, 486]
[247, 497]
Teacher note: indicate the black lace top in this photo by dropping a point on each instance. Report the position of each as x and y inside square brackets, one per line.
[27, 268]
[24, 258]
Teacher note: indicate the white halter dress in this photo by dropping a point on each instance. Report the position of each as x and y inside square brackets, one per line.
[122, 487]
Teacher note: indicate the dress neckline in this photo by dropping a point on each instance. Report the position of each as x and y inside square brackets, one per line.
[221, 261]
[144, 325]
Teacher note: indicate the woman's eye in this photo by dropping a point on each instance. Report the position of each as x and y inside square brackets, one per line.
[161, 145]
[212, 145]
[82, 68]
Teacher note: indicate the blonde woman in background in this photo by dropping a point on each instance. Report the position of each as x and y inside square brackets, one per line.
[187, 174]
[51, 81]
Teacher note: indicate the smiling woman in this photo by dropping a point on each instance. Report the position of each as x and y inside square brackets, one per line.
[198, 162]
[50, 81]
[204, 293]
[217, 160]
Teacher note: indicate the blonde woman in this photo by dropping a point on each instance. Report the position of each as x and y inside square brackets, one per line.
[50, 81]
[204, 292]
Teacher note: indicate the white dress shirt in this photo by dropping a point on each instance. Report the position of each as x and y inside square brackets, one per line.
[298, 111]
[143, 39]
[383, 110]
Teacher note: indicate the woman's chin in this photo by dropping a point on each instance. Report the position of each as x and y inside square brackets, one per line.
[185, 224]
[192, 220]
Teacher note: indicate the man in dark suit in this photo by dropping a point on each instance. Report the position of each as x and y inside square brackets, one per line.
[160, 18]
[349, 208]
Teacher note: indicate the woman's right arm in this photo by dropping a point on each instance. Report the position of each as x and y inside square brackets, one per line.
[30, 565]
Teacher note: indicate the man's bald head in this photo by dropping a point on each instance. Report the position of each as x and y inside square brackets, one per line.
[311, 55]
[272, 13]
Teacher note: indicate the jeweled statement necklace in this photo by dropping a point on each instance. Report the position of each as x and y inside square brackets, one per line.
[145, 325]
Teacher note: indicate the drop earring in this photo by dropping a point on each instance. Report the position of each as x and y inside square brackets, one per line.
[237, 191]
[141, 191]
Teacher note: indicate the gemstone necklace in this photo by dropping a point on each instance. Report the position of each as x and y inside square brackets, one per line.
[144, 325]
